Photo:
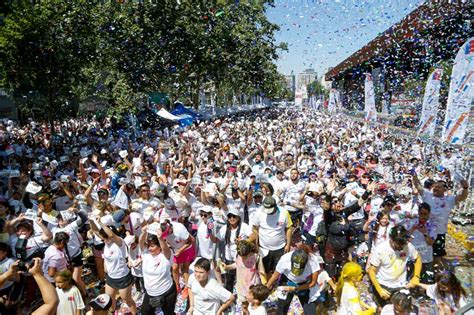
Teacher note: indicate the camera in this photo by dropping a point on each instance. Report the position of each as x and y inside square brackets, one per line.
[20, 252]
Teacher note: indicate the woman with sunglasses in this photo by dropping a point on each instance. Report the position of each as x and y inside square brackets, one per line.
[338, 230]
[234, 231]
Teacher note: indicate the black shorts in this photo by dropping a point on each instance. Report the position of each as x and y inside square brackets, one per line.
[439, 246]
[77, 262]
[119, 284]
[378, 299]
[271, 260]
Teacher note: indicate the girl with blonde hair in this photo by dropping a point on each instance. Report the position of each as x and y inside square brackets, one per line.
[347, 294]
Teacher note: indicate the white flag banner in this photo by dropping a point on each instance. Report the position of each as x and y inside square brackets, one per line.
[333, 103]
[461, 94]
[430, 104]
[304, 91]
[370, 112]
[298, 98]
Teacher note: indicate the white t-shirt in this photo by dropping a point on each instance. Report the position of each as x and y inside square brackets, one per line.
[69, 301]
[292, 193]
[231, 248]
[115, 259]
[209, 298]
[205, 244]
[179, 236]
[440, 209]
[321, 286]
[350, 303]
[272, 229]
[390, 310]
[418, 240]
[260, 310]
[391, 264]
[54, 258]
[74, 244]
[4, 266]
[431, 291]
[156, 273]
[284, 267]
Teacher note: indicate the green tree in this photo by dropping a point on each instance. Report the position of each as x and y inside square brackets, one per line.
[43, 48]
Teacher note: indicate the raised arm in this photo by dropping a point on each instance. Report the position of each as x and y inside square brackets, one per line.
[464, 193]
[48, 292]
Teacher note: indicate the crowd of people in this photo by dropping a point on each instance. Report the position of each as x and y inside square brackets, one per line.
[278, 207]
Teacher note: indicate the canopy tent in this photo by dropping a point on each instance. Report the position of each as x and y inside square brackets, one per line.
[187, 116]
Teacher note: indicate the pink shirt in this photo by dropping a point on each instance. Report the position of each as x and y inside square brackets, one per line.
[247, 273]
[53, 257]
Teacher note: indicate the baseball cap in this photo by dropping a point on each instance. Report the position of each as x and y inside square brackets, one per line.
[101, 302]
[206, 208]
[299, 258]
[258, 193]
[233, 211]
[269, 205]
[118, 216]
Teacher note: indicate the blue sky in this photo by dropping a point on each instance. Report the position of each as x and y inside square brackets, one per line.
[322, 33]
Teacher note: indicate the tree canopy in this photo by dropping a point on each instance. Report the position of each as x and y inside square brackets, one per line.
[54, 53]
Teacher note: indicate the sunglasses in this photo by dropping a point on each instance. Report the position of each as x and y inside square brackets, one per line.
[334, 201]
[204, 215]
[230, 216]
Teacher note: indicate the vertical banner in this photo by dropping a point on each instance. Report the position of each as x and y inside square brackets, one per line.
[332, 104]
[298, 98]
[461, 94]
[430, 104]
[370, 112]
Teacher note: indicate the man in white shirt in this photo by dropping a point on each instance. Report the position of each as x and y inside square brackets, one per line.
[441, 205]
[206, 295]
[388, 265]
[272, 225]
[290, 196]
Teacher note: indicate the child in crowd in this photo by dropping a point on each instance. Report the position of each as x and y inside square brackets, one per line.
[247, 273]
[424, 234]
[347, 294]
[70, 299]
[135, 264]
[319, 294]
[257, 294]
[401, 304]
[447, 292]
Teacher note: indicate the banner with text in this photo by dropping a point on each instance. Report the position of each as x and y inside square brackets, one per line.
[430, 104]
[370, 112]
[461, 94]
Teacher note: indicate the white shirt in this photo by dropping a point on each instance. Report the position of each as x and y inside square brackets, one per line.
[146, 207]
[260, 310]
[272, 229]
[392, 265]
[292, 193]
[432, 292]
[156, 273]
[179, 236]
[231, 247]
[74, 244]
[69, 301]
[350, 303]
[209, 298]
[115, 260]
[54, 258]
[205, 244]
[419, 241]
[4, 266]
[440, 209]
[321, 286]
[284, 267]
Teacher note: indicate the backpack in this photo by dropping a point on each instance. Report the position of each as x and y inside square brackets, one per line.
[321, 236]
